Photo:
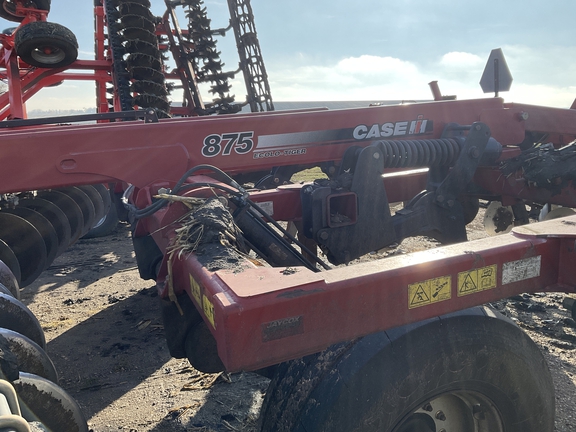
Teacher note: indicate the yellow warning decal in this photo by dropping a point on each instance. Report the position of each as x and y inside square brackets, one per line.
[473, 281]
[195, 288]
[208, 308]
[430, 291]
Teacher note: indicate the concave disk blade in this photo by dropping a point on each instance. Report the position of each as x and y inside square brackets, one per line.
[70, 209]
[97, 202]
[42, 400]
[56, 217]
[85, 204]
[31, 357]
[26, 243]
[9, 266]
[43, 226]
[14, 315]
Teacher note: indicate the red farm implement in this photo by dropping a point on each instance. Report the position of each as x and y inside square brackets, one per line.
[256, 272]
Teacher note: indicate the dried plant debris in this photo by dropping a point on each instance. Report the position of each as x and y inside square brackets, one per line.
[209, 231]
[190, 202]
[202, 381]
[544, 166]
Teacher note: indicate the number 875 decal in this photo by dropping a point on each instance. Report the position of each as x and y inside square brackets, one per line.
[241, 142]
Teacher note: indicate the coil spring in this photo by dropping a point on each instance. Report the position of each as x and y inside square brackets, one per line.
[419, 153]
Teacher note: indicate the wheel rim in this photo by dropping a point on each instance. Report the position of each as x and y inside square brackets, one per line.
[453, 412]
[48, 54]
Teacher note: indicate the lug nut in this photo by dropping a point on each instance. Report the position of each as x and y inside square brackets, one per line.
[440, 416]
[427, 407]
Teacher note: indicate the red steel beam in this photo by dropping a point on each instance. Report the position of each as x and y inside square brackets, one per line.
[261, 316]
[76, 154]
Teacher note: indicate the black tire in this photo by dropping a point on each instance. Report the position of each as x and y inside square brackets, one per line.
[46, 45]
[8, 9]
[470, 371]
[106, 225]
[121, 210]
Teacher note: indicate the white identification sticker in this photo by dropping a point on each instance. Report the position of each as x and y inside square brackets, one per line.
[515, 271]
[268, 207]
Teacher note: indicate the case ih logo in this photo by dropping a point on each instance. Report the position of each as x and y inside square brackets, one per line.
[386, 130]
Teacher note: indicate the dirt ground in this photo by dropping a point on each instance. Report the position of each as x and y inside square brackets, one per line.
[105, 337]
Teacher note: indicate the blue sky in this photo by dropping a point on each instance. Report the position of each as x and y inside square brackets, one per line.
[379, 50]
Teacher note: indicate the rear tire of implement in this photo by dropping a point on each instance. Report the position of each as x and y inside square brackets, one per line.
[46, 45]
[475, 366]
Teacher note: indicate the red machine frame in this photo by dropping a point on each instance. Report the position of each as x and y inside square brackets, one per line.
[252, 314]
[262, 316]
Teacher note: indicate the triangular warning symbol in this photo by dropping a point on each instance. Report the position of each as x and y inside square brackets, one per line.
[468, 284]
[420, 297]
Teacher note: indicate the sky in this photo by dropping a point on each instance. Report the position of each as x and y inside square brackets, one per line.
[328, 50]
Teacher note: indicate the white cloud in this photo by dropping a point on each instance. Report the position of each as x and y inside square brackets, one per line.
[538, 79]
[461, 60]
[362, 78]
[458, 73]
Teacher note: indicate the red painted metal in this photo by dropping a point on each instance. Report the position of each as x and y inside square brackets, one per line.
[165, 150]
[262, 316]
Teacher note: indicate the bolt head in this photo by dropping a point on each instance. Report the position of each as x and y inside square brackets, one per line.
[473, 152]
[440, 416]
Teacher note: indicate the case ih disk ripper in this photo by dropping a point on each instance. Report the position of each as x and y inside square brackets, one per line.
[399, 344]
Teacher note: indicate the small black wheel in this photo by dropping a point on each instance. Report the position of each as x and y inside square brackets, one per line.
[8, 8]
[471, 371]
[46, 45]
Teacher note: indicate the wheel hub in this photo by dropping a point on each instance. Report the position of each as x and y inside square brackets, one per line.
[454, 412]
